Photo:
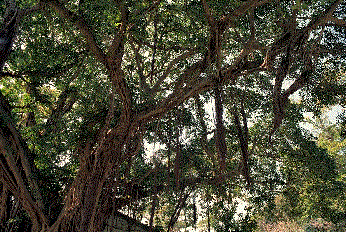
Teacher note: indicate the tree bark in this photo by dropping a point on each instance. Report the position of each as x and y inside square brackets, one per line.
[220, 140]
[8, 31]
[4, 206]
[175, 216]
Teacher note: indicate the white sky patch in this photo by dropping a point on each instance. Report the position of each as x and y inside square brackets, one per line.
[151, 149]
[210, 115]
[308, 115]
[334, 112]
[307, 125]
[241, 208]
[295, 97]
[331, 114]
[64, 158]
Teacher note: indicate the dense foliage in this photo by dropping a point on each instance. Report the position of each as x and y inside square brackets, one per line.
[176, 112]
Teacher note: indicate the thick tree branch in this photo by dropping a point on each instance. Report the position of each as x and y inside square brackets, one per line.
[252, 25]
[139, 63]
[203, 83]
[169, 68]
[153, 57]
[210, 17]
[322, 17]
[119, 39]
[64, 104]
[229, 19]
[8, 31]
[242, 136]
[220, 137]
[293, 41]
[191, 74]
[82, 25]
[151, 8]
[181, 203]
[19, 174]
[337, 22]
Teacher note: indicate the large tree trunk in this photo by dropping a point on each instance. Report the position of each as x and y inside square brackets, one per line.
[88, 203]
[8, 31]
[4, 206]
[18, 173]
[18, 170]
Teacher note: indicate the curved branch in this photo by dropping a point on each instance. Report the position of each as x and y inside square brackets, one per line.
[82, 25]
[18, 164]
